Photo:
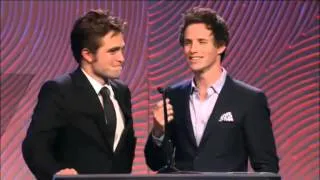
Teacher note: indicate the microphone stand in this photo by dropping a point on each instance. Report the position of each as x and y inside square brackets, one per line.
[169, 167]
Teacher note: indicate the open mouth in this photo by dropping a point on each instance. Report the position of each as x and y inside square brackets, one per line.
[195, 58]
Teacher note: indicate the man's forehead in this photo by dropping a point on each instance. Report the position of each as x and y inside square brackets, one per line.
[199, 36]
[113, 35]
[113, 39]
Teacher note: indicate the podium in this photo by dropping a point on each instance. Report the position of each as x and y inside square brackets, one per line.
[175, 176]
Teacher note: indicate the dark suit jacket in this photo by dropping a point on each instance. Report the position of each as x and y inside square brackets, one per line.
[225, 146]
[68, 130]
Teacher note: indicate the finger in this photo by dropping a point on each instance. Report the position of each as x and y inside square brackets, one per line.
[73, 171]
[170, 112]
[62, 171]
[67, 171]
[170, 118]
[169, 107]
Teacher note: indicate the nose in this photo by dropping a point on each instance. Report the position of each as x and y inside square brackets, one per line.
[194, 48]
[121, 57]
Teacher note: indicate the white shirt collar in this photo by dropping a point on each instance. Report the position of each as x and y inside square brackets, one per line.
[217, 86]
[96, 85]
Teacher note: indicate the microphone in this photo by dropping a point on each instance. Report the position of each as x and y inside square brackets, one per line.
[163, 91]
[169, 167]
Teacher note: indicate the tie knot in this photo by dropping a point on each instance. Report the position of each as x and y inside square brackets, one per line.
[105, 92]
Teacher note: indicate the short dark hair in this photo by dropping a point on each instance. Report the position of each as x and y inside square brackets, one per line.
[212, 20]
[90, 28]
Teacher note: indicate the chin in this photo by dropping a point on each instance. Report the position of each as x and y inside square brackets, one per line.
[196, 69]
[114, 76]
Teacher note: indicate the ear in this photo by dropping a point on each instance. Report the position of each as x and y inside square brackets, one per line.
[87, 55]
[221, 49]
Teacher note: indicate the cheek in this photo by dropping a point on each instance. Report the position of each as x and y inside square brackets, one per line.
[105, 59]
[212, 52]
[186, 49]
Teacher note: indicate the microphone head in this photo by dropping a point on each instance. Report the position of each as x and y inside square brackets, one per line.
[161, 90]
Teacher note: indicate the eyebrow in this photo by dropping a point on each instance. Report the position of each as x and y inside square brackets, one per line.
[116, 48]
[199, 39]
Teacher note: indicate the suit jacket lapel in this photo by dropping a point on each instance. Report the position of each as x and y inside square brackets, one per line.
[223, 102]
[119, 97]
[86, 92]
[90, 105]
[185, 97]
[119, 94]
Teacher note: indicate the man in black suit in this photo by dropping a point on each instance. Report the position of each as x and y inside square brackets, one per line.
[216, 123]
[82, 122]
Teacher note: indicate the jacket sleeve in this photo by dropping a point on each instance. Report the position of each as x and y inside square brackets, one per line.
[47, 120]
[154, 154]
[259, 136]
[133, 140]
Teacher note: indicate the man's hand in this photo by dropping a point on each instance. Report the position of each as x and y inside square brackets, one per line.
[158, 117]
[67, 171]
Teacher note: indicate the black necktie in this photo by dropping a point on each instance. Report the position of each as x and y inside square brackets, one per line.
[109, 113]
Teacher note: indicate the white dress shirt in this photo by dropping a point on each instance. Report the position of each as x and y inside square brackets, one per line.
[200, 111]
[120, 119]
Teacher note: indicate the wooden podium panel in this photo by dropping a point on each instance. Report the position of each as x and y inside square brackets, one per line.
[175, 176]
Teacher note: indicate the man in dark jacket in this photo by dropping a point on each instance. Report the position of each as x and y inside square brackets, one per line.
[216, 123]
[82, 122]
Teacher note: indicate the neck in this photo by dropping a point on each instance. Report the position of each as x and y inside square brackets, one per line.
[92, 74]
[204, 80]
